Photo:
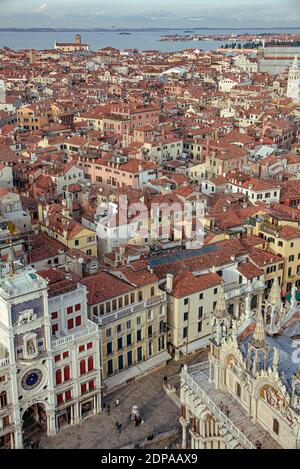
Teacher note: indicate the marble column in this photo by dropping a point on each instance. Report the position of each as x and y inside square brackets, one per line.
[51, 426]
[184, 424]
[210, 378]
[76, 413]
[18, 439]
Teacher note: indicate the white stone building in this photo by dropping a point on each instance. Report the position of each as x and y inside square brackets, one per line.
[12, 211]
[247, 395]
[33, 393]
[6, 177]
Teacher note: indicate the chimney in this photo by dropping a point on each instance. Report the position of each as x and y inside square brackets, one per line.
[169, 287]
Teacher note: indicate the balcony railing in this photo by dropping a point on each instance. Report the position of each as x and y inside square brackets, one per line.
[4, 362]
[269, 228]
[156, 300]
[88, 330]
[121, 313]
[11, 291]
[234, 289]
[215, 410]
[76, 291]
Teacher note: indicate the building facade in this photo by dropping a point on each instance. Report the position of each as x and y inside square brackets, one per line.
[132, 323]
[31, 393]
[247, 395]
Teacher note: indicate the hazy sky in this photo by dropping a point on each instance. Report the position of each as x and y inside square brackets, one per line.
[140, 13]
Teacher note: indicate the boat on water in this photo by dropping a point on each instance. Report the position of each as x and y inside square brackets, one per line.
[124, 34]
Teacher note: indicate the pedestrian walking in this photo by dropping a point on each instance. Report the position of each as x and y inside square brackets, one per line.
[118, 427]
[221, 406]
[37, 444]
[227, 411]
[117, 401]
[258, 444]
[108, 409]
[32, 444]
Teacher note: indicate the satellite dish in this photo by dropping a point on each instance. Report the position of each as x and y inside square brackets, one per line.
[80, 260]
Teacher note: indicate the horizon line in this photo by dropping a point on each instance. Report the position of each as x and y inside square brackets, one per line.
[85, 29]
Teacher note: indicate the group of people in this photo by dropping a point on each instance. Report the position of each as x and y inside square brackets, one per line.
[118, 425]
[134, 416]
[224, 409]
[258, 444]
[137, 420]
[117, 402]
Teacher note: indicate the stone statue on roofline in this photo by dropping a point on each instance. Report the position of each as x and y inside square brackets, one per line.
[274, 309]
[220, 317]
[294, 301]
[275, 359]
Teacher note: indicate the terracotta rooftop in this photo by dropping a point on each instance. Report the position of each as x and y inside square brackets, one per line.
[185, 283]
[249, 270]
[104, 286]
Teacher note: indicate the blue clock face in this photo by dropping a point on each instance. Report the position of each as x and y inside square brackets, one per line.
[32, 379]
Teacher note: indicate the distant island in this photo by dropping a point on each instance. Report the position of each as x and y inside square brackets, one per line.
[32, 30]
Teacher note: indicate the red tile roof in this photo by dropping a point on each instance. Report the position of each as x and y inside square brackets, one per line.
[185, 283]
[249, 270]
[104, 286]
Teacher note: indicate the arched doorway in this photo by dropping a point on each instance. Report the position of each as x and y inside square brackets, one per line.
[34, 421]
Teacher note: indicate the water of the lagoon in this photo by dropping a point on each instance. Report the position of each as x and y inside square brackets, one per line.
[142, 40]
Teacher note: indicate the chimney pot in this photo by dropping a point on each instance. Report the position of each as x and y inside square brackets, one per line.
[170, 278]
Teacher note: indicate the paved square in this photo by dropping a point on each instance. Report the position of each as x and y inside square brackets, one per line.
[159, 412]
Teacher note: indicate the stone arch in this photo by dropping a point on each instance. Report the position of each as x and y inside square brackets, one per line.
[260, 383]
[210, 425]
[45, 404]
[275, 396]
[34, 418]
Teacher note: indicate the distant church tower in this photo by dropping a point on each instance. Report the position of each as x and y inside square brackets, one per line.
[293, 89]
[2, 92]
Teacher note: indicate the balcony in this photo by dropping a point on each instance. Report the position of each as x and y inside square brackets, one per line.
[65, 338]
[128, 310]
[155, 300]
[269, 228]
[19, 287]
[72, 292]
[235, 289]
[4, 362]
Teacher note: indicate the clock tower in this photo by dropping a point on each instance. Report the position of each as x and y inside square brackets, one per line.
[25, 345]
[2, 92]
